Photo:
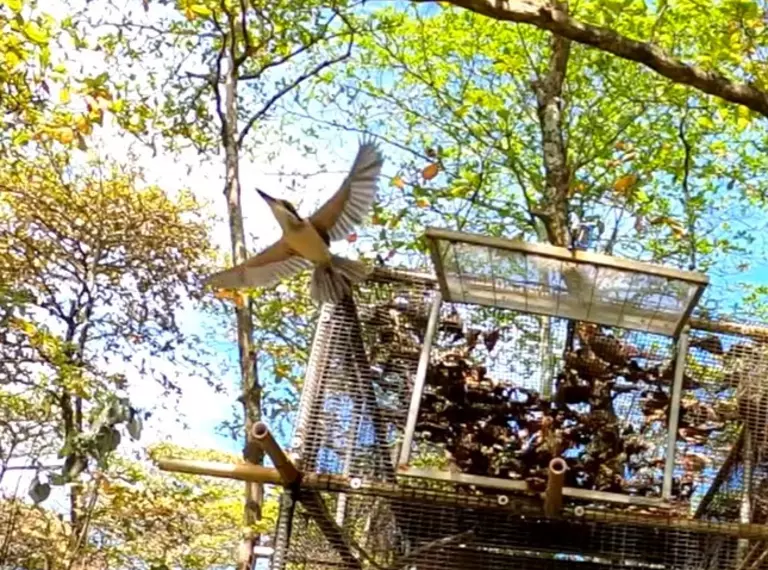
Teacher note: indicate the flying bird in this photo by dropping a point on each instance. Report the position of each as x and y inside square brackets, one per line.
[305, 241]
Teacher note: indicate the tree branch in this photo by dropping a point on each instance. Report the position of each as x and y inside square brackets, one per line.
[290, 87]
[689, 213]
[546, 16]
[298, 51]
[215, 82]
[246, 36]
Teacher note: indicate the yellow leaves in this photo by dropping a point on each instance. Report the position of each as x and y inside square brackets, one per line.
[135, 123]
[430, 171]
[82, 125]
[12, 59]
[743, 117]
[97, 105]
[65, 135]
[282, 369]
[116, 106]
[706, 122]
[200, 10]
[192, 11]
[677, 229]
[35, 33]
[397, 182]
[237, 297]
[422, 202]
[64, 96]
[14, 5]
[577, 188]
[460, 191]
[625, 183]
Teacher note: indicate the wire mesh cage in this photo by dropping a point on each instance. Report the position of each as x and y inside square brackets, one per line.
[542, 353]
[517, 390]
[411, 529]
[449, 406]
[724, 417]
[360, 377]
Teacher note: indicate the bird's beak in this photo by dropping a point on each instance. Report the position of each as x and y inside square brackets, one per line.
[266, 197]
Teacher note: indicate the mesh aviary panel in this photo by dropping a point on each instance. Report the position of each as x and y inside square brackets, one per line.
[503, 392]
[418, 530]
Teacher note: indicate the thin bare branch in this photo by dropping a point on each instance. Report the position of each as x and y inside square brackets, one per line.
[290, 87]
[319, 37]
[689, 213]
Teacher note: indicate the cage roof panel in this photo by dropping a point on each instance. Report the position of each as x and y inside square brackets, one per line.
[558, 282]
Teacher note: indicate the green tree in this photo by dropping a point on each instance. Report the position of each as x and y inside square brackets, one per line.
[510, 131]
[98, 265]
[138, 519]
[715, 49]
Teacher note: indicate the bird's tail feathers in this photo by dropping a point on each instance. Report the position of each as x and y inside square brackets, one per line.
[331, 283]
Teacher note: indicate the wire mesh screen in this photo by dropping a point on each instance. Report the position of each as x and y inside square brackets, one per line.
[360, 378]
[417, 530]
[506, 392]
[546, 280]
[723, 445]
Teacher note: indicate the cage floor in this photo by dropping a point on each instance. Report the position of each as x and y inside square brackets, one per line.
[418, 532]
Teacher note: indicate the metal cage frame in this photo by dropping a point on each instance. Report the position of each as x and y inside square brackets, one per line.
[699, 281]
[680, 336]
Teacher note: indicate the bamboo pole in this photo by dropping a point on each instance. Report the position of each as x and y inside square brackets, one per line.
[283, 464]
[336, 483]
[757, 332]
[722, 474]
[553, 496]
[735, 530]
[239, 471]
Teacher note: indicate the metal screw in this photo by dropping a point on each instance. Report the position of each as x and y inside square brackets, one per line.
[579, 511]
[356, 482]
[503, 500]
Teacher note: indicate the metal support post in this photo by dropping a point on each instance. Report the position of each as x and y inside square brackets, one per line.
[674, 414]
[421, 376]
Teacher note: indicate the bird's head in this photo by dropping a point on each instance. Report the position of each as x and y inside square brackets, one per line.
[280, 208]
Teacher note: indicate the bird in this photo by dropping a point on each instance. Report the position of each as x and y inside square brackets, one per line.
[305, 241]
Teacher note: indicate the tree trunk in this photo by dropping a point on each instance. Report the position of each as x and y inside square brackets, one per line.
[251, 390]
[72, 416]
[553, 210]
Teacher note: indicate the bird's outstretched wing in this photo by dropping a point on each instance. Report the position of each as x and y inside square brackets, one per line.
[263, 269]
[349, 205]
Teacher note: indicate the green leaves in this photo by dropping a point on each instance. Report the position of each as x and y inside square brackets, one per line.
[135, 425]
[39, 490]
[35, 33]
